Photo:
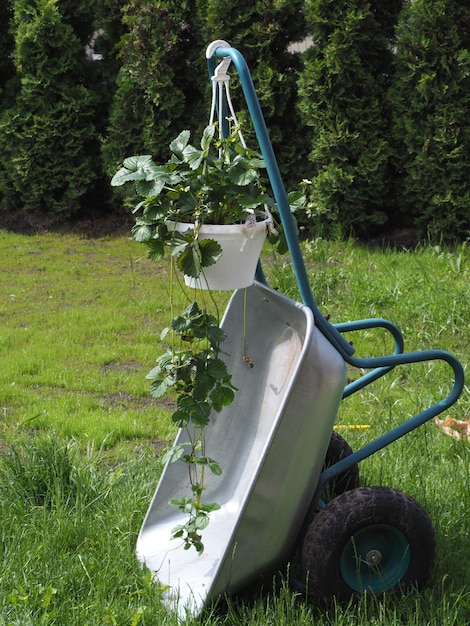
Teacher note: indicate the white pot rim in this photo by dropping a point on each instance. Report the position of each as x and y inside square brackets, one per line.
[213, 229]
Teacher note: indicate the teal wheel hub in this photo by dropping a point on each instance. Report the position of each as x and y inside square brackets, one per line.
[375, 558]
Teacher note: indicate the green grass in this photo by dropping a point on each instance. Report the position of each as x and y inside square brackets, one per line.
[80, 327]
[80, 321]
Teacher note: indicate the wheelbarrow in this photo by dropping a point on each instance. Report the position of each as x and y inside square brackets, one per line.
[290, 483]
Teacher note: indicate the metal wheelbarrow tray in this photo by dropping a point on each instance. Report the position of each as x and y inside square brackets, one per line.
[270, 442]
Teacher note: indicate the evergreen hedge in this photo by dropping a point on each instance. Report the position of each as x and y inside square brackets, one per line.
[374, 114]
[262, 30]
[431, 103]
[47, 137]
[7, 68]
[159, 83]
[343, 92]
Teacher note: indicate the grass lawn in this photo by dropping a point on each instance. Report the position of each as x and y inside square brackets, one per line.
[82, 440]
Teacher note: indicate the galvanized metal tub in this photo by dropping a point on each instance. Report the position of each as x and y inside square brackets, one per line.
[271, 443]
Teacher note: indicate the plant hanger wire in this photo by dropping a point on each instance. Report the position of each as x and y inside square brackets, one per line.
[220, 102]
[221, 99]
[227, 119]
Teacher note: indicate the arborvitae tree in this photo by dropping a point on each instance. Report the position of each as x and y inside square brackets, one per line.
[106, 38]
[47, 139]
[262, 31]
[431, 103]
[159, 82]
[7, 68]
[102, 77]
[343, 91]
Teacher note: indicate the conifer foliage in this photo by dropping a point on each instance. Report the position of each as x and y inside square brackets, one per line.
[7, 69]
[160, 81]
[262, 30]
[47, 138]
[431, 103]
[343, 99]
[373, 116]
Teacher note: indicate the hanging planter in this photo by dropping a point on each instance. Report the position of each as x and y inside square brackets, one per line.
[208, 209]
[220, 183]
[241, 246]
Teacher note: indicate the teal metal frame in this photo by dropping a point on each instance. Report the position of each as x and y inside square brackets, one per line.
[378, 366]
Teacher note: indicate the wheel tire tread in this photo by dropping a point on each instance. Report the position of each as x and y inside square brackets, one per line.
[351, 511]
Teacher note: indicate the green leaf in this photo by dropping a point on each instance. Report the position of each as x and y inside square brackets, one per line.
[139, 162]
[164, 333]
[197, 543]
[180, 241]
[153, 213]
[208, 507]
[207, 137]
[217, 369]
[222, 396]
[257, 162]
[197, 410]
[185, 505]
[210, 463]
[192, 310]
[139, 206]
[210, 252]
[173, 454]
[159, 387]
[177, 532]
[141, 232]
[202, 386]
[155, 249]
[251, 202]
[179, 144]
[193, 157]
[165, 361]
[201, 520]
[216, 335]
[200, 417]
[122, 176]
[151, 187]
[240, 172]
[134, 168]
[189, 262]
[180, 419]
[282, 246]
[215, 468]
[297, 200]
[180, 324]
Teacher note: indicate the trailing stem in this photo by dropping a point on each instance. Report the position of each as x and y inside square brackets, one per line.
[194, 369]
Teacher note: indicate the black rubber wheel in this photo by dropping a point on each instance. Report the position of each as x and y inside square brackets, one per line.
[338, 449]
[349, 479]
[370, 539]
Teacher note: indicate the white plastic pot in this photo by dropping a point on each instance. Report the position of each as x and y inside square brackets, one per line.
[241, 247]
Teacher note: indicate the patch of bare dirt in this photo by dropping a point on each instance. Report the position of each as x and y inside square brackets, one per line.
[397, 238]
[127, 366]
[91, 227]
[124, 399]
